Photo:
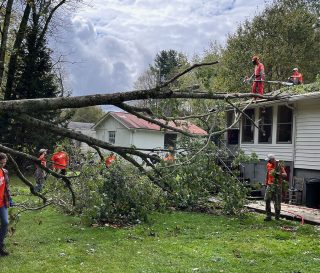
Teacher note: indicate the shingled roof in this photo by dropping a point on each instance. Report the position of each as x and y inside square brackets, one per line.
[132, 122]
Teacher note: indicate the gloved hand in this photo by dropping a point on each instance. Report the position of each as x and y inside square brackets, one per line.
[11, 203]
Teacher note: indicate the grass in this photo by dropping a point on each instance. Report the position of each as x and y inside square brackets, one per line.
[46, 241]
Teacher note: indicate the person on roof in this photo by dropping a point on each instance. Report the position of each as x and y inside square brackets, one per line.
[274, 177]
[296, 77]
[258, 76]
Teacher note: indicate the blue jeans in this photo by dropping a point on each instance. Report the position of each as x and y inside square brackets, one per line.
[4, 222]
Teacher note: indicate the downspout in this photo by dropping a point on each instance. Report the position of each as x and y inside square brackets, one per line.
[294, 134]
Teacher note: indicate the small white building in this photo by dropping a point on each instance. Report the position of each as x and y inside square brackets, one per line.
[126, 130]
[288, 128]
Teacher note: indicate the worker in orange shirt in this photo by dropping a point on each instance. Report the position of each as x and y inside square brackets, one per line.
[169, 157]
[258, 77]
[110, 159]
[296, 77]
[60, 160]
[274, 176]
[5, 203]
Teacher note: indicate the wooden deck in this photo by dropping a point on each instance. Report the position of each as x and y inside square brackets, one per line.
[298, 213]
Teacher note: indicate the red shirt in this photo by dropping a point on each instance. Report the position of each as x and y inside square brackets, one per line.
[296, 77]
[60, 160]
[169, 158]
[270, 177]
[2, 188]
[109, 160]
[259, 72]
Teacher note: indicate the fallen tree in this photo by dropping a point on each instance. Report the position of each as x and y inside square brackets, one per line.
[19, 111]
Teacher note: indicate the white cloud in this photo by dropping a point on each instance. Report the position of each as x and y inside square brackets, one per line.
[113, 41]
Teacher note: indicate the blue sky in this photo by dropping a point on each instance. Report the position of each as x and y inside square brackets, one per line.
[109, 43]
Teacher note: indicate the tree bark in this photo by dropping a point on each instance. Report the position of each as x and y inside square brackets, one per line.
[14, 56]
[4, 38]
[47, 104]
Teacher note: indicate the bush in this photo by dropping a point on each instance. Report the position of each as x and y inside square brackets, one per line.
[119, 195]
[199, 176]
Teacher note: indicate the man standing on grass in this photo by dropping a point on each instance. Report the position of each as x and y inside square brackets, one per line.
[274, 177]
[5, 201]
[60, 160]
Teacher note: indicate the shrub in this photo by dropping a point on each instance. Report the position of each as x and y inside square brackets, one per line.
[119, 195]
[198, 174]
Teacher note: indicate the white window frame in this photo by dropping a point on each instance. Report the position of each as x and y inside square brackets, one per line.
[112, 137]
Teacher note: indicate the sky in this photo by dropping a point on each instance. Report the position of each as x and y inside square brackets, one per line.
[109, 43]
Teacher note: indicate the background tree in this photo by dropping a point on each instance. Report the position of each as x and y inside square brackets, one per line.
[283, 36]
[166, 64]
[88, 114]
[26, 69]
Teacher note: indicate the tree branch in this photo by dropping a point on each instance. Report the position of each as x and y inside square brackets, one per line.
[44, 30]
[47, 104]
[128, 108]
[37, 161]
[81, 137]
[185, 72]
[25, 180]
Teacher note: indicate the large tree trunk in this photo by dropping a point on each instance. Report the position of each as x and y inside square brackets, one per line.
[4, 38]
[14, 56]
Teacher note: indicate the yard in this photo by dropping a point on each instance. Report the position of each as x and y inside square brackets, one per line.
[46, 241]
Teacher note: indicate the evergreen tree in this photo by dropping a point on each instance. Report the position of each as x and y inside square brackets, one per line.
[35, 78]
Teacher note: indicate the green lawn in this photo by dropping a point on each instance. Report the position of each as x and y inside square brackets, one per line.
[46, 241]
[179, 242]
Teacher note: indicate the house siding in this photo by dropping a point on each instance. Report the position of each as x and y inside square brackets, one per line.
[148, 139]
[307, 152]
[123, 135]
[283, 152]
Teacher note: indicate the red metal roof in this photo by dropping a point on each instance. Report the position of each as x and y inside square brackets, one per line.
[133, 122]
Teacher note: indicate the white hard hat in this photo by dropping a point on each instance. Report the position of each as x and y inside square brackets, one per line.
[270, 156]
[295, 69]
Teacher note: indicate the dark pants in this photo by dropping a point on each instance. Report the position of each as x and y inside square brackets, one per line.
[4, 221]
[273, 193]
[40, 177]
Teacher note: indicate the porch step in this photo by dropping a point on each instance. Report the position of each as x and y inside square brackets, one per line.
[255, 198]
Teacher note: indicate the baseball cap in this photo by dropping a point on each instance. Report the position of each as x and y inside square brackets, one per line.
[270, 156]
[42, 150]
[295, 69]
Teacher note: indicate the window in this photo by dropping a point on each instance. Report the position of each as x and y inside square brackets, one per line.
[247, 126]
[233, 133]
[170, 140]
[112, 137]
[233, 136]
[265, 125]
[284, 124]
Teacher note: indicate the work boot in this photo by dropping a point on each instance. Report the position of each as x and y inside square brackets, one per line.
[267, 219]
[277, 217]
[3, 252]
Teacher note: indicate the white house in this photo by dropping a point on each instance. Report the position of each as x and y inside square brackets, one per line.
[290, 129]
[124, 129]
